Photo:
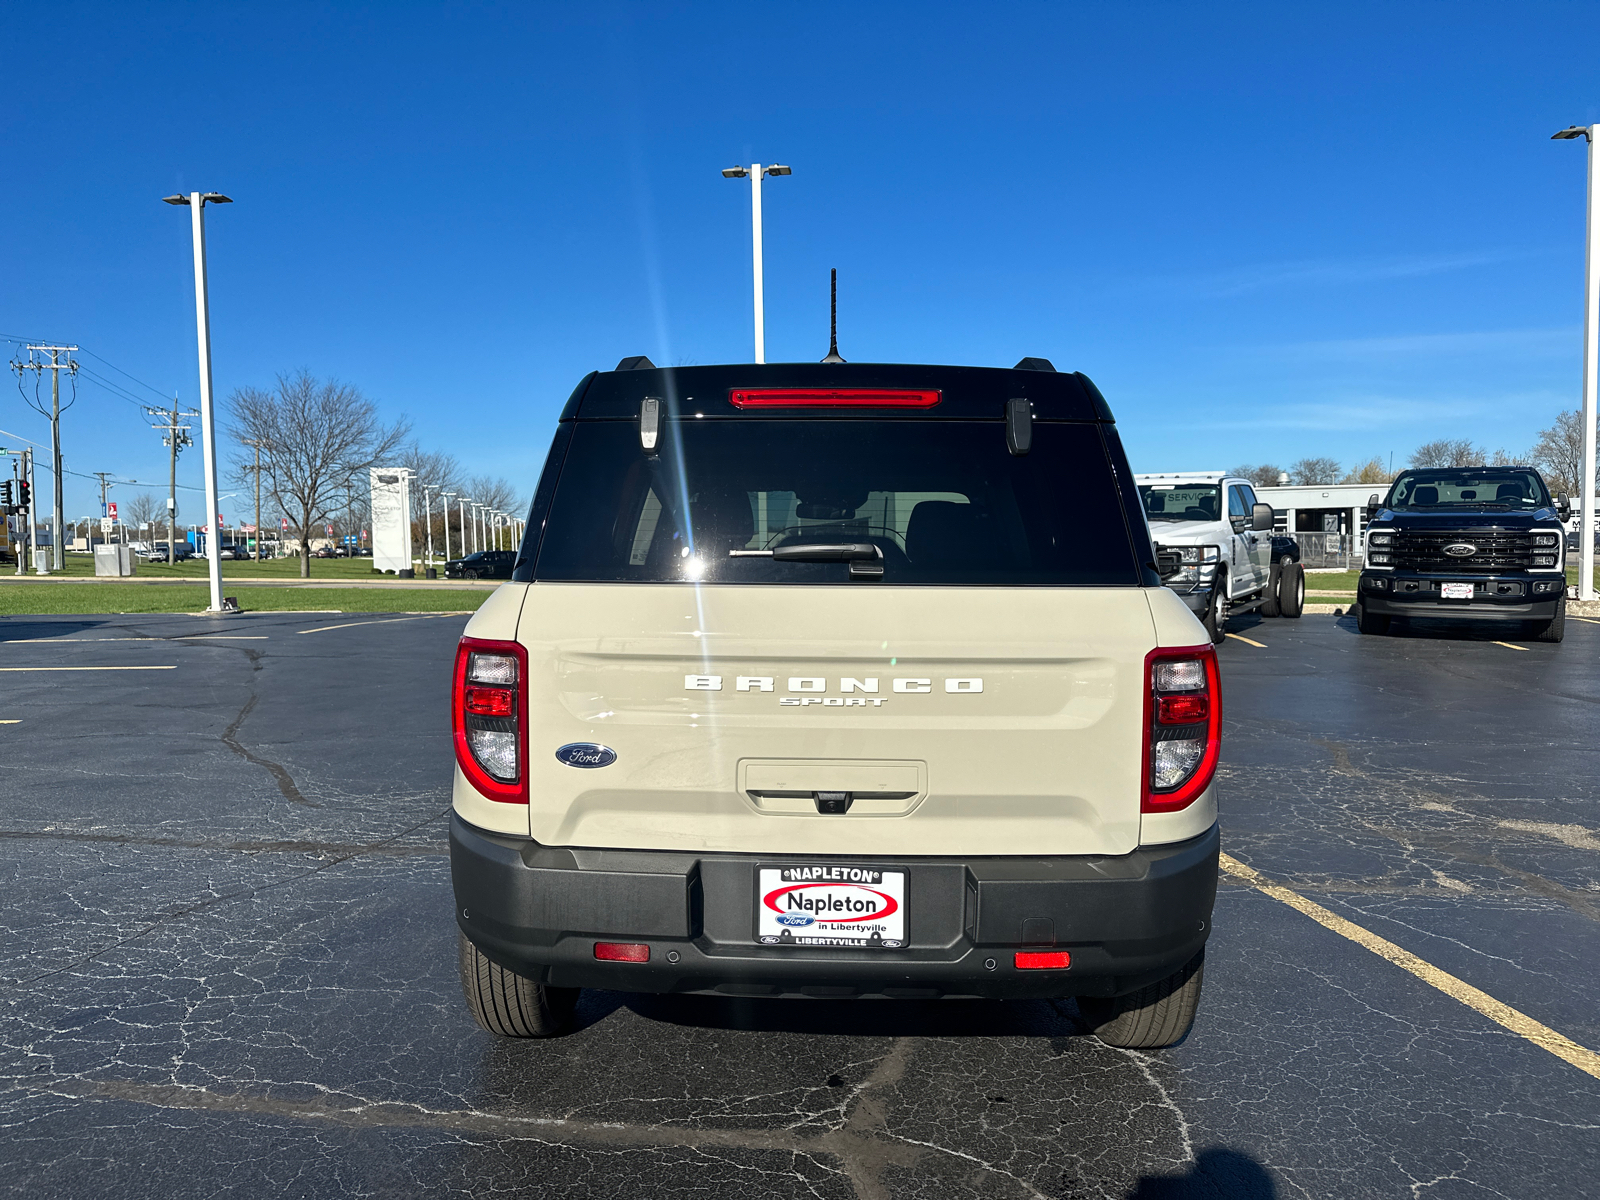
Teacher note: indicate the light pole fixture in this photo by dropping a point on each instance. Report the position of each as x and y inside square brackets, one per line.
[1591, 359]
[461, 507]
[446, 497]
[755, 172]
[197, 202]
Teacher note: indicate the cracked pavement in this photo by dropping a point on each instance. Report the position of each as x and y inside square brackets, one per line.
[227, 959]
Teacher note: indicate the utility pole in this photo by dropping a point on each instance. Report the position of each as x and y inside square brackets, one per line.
[33, 528]
[257, 443]
[55, 366]
[176, 436]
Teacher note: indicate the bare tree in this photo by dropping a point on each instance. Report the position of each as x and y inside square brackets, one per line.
[319, 438]
[432, 474]
[143, 510]
[1309, 472]
[1371, 471]
[1559, 454]
[1447, 452]
[1264, 475]
[492, 491]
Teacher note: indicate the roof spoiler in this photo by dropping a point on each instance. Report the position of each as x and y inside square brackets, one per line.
[637, 363]
[1035, 364]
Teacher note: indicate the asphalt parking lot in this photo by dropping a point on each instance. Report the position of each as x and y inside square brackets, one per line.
[227, 959]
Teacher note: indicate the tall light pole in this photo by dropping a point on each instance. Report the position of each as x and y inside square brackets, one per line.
[755, 172]
[1591, 358]
[208, 427]
[462, 503]
[446, 497]
[427, 515]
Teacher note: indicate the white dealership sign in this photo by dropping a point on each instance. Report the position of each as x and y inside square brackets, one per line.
[391, 519]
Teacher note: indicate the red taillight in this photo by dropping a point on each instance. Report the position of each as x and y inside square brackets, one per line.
[1182, 726]
[1043, 960]
[489, 714]
[834, 397]
[491, 702]
[622, 951]
[1182, 709]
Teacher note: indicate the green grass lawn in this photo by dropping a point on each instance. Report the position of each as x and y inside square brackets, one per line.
[139, 598]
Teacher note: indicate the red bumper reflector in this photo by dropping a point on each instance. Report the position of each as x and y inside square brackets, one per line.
[1043, 960]
[1183, 709]
[491, 702]
[622, 951]
[834, 397]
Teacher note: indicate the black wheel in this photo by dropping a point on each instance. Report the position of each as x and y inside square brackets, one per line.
[1292, 590]
[1215, 616]
[1368, 622]
[1555, 628]
[508, 1005]
[469, 574]
[1269, 598]
[1154, 1016]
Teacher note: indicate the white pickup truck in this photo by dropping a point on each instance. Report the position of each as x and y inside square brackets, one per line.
[1221, 536]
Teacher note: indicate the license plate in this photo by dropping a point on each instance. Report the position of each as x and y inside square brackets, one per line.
[1455, 591]
[825, 904]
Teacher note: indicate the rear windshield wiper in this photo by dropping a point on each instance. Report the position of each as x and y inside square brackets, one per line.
[865, 558]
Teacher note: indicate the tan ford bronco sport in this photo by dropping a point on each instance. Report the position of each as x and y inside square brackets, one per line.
[836, 680]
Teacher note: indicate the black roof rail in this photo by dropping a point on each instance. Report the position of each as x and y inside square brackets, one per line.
[637, 363]
[1035, 364]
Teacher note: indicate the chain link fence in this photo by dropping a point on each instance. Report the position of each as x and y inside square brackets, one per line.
[1329, 550]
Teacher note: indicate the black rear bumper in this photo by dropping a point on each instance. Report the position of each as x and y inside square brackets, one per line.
[1126, 920]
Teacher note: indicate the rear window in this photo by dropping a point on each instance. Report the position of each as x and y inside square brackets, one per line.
[945, 501]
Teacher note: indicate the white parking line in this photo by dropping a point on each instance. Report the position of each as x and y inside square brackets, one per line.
[1509, 646]
[172, 667]
[379, 621]
[215, 637]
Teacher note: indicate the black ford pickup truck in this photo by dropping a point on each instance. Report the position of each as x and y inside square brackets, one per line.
[1473, 543]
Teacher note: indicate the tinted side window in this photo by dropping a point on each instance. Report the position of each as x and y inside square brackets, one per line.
[944, 501]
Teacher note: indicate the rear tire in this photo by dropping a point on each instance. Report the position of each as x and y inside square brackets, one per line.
[1269, 598]
[1292, 590]
[509, 1005]
[1215, 618]
[1154, 1016]
[1555, 628]
[1368, 622]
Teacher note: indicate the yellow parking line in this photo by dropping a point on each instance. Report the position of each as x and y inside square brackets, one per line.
[1522, 1025]
[16, 721]
[1247, 641]
[1585, 620]
[1509, 646]
[173, 667]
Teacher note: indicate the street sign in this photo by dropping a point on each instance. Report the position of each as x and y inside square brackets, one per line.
[107, 525]
[113, 510]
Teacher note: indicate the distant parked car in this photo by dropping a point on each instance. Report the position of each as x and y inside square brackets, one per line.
[1285, 549]
[486, 564]
[158, 552]
[323, 552]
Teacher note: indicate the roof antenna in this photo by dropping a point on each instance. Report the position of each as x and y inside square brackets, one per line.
[833, 320]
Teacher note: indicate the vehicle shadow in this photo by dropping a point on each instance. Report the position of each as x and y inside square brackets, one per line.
[845, 1018]
[1215, 1174]
[17, 629]
[1425, 629]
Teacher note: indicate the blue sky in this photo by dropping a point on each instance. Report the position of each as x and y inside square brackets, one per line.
[1266, 231]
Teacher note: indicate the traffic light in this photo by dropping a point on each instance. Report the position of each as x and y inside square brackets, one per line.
[24, 495]
[6, 498]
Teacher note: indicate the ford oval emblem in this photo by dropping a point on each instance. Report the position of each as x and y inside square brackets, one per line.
[586, 754]
[1461, 549]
